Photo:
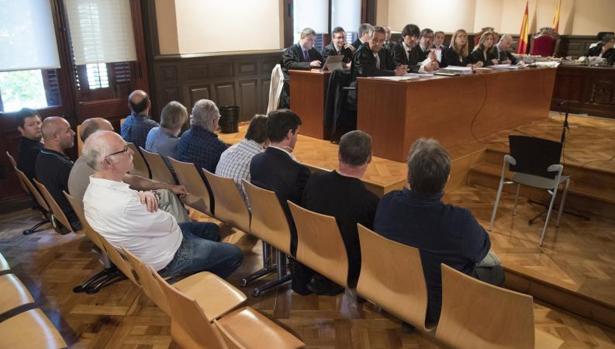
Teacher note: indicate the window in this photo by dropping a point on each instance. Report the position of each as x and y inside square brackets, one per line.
[97, 75]
[28, 75]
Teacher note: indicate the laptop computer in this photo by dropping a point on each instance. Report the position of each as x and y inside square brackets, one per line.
[334, 62]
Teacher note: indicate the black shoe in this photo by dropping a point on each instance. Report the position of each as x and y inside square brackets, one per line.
[302, 290]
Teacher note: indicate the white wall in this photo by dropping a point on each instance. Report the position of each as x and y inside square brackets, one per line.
[447, 15]
[207, 26]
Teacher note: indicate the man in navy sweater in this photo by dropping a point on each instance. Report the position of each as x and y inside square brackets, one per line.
[442, 233]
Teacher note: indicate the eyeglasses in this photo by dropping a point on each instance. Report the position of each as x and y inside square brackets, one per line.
[119, 152]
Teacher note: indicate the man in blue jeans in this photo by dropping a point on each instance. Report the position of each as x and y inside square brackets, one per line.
[131, 219]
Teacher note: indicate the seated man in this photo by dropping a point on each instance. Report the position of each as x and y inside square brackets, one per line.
[371, 60]
[116, 212]
[423, 51]
[338, 46]
[163, 139]
[79, 177]
[365, 30]
[235, 161]
[52, 166]
[137, 124]
[442, 233]
[401, 51]
[343, 195]
[29, 125]
[200, 144]
[604, 49]
[276, 169]
[502, 48]
[300, 56]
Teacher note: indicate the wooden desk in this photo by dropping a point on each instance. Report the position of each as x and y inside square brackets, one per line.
[454, 110]
[307, 99]
[589, 90]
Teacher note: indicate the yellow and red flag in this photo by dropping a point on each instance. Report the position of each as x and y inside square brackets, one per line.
[522, 48]
[555, 23]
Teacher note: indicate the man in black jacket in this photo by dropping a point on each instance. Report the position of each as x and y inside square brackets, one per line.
[364, 30]
[401, 51]
[371, 60]
[604, 49]
[413, 55]
[502, 49]
[29, 124]
[277, 170]
[302, 56]
[338, 46]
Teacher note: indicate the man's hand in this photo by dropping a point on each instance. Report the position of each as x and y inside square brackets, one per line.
[401, 69]
[149, 199]
[315, 63]
[178, 189]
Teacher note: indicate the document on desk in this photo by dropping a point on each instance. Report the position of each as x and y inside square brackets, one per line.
[504, 67]
[396, 78]
[461, 70]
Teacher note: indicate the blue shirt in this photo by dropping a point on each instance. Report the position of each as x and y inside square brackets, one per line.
[135, 129]
[201, 147]
[442, 233]
[162, 142]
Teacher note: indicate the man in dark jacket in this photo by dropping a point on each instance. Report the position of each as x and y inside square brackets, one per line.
[371, 60]
[338, 46]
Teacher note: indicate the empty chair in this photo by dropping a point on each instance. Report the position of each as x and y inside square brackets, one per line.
[271, 226]
[158, 167]
[29, 188]
[110, 273]
[319, 244]
[56, 211]
[13, 293]
[213, 294]
[534, 162]
[140, 165]
[30, 330]
[392, 277]
[476, 315]
[4, 265]
[190, 177]
[230, 207]
[242, 328]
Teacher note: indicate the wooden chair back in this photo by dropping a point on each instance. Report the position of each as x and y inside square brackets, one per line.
[140, 166]
[268, 220]
[77, 206]
[13, 293]
[36, 194]
[30, 329]
[319, 244]
[56, 211]
[148, 283]
[117, 259]
[190, 327]
[230, 206]
[14, 164]
[392, 277]
[479, 315]
[4, 265]
[198, 196]
[158, 167]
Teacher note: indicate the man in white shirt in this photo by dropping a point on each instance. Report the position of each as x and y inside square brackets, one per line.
[131, 219]
[235, 161]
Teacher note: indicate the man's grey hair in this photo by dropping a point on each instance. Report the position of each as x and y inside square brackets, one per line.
[307, 31]
[173, 115]
[366, 28]
[204, 112]
[428, 166]
[505, 37]
[355, 148]
[95, 149]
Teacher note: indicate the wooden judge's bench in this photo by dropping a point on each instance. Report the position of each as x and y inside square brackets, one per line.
[454, 110]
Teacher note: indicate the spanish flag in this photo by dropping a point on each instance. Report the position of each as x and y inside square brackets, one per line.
[555, 24]
[522, 48]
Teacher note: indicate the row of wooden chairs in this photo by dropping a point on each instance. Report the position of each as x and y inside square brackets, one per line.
[23, 326]
[205, 310]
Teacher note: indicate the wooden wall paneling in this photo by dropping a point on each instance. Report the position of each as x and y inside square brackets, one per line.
[225, 93]
[248, 98]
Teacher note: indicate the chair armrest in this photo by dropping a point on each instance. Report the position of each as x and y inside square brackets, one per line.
[556, 168]
[510, 160]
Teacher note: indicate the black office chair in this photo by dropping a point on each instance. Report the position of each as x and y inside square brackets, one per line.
[534, 162]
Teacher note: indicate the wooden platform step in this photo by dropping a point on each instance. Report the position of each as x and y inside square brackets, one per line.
[591, 192]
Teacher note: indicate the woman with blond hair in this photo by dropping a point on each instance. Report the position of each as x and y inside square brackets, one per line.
[457, 53]
[483, 52]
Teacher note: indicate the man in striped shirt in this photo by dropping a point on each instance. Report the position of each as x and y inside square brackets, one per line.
[235, 161]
